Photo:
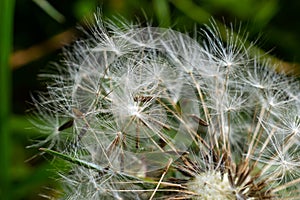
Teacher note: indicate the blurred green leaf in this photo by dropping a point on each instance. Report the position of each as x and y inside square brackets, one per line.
[255, 11]
[192, 10]
[162, 11]
[82, 8]
[265, 13]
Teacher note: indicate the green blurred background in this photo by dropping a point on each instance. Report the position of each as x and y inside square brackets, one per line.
[38, 29]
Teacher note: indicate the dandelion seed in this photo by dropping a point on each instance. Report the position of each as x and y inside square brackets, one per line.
[66, 125]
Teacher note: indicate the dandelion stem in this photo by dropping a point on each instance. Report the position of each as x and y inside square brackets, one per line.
[87, 164]
[206, 112]
[286, 185]
[161, 178]
[250, 148]
[263, 147]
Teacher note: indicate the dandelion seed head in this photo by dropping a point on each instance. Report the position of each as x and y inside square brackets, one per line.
[157, 113]
[211, 185]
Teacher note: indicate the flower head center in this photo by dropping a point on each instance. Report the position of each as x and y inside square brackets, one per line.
[211, 185]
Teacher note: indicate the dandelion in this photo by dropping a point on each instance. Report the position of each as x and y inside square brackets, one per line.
[151, 113]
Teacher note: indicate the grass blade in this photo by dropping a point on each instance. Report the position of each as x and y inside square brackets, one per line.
[6, 21]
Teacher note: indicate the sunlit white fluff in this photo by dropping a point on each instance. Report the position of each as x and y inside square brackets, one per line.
[164, 115]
